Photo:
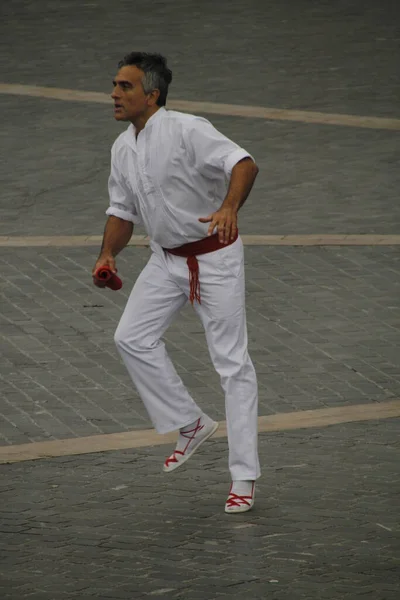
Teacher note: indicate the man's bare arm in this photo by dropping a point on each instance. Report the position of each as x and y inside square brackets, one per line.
[117, 234]
[224, 220]
[242, 179]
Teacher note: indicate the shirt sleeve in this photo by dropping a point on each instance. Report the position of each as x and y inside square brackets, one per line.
[122, 203]
[210, 149]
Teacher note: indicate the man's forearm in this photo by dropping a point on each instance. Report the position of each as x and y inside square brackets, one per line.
[117, 234]
[243, 176]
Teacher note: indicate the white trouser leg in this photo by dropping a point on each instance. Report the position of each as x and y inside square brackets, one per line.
[222, 312]
[154, 301]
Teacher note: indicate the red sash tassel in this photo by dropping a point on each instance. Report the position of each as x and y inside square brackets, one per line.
[194, 280]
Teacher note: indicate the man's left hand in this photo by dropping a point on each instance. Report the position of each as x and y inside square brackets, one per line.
[225, 221]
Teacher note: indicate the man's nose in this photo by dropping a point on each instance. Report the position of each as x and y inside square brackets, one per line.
[114, 93]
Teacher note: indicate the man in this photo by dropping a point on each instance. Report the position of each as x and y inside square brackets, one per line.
[185, 182]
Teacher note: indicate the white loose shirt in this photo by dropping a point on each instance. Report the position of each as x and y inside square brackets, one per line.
[175, 171]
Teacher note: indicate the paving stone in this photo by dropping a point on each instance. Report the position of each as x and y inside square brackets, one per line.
[323, 322]
[328, 529]
[314, 352]
[313, 178]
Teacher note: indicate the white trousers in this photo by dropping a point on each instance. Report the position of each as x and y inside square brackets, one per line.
[159, 293]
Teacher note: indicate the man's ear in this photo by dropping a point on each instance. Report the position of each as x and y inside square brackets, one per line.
[153, 97]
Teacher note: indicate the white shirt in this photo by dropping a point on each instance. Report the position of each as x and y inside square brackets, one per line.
[174, 172]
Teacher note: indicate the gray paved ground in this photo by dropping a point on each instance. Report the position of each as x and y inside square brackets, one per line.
[313, 178]
[323, 322]
[113, 526]
[323, 329]
[340, 56]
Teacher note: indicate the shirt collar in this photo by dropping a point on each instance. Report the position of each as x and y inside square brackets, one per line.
[150, 122]
[157, 115]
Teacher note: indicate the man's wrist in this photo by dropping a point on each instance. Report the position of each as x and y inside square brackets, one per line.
[231, 203]
[105, 253]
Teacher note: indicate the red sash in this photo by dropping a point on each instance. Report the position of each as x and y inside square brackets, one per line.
[193, 249]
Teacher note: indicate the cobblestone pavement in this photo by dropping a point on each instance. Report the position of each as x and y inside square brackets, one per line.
[109, 526]
[323, 329]
[313, 178]
[323, 322]
[339, 57]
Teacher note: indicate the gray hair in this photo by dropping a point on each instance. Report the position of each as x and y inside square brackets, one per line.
[157, 76]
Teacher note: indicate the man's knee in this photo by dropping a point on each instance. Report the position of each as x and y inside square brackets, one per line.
[133, 341]
[233, 365]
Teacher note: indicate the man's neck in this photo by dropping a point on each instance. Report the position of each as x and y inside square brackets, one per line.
[141, 121]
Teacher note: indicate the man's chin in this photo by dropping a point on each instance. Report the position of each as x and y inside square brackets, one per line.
[120, 117]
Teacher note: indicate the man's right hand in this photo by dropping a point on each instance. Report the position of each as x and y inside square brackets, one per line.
[104, 260]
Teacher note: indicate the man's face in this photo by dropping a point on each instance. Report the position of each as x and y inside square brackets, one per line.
[130, 101]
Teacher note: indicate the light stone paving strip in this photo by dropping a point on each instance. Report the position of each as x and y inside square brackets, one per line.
[314, 239]
[138, 439]
[254, 112]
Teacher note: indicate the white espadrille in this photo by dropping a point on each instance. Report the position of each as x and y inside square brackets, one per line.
[237, 503]
[194, 436]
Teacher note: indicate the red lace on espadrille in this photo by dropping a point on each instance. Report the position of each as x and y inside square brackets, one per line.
[237, 503]
[190, 434]
[194, 441]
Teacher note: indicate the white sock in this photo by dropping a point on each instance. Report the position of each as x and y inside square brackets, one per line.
[242, 488]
